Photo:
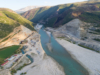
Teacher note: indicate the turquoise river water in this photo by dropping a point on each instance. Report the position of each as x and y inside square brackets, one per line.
[58, 53]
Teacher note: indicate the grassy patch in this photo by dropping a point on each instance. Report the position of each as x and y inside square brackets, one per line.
[7, 52]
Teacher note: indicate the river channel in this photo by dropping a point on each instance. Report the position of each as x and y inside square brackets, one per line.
[58, 53]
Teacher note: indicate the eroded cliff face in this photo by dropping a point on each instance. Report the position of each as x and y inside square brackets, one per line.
[75, 28]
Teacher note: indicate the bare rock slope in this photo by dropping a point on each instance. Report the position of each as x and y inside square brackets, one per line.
[79, 32]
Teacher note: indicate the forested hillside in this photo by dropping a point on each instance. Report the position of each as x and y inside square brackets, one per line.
[9, 20]
[58, 15]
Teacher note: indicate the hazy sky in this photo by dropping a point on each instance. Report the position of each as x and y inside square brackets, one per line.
[18, 4]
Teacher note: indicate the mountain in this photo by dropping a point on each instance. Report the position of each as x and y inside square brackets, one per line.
[9, 20]
[36, 14]
[56, 16]
[26, 9]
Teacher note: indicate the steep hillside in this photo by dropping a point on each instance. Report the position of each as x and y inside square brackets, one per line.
[61, 14]
[14, 38]
[9, 20]
[36, 14]
[46, 15]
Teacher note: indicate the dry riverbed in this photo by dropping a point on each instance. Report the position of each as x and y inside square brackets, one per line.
[87, 58]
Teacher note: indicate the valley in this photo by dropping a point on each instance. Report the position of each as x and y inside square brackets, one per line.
[84, 55]
[63, 39]
[33, 57]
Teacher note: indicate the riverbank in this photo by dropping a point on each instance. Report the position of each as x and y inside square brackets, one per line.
[42, 64]
[58, 53]
[46, 66]
[87, 58]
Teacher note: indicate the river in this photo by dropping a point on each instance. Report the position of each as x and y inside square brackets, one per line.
[58, 53]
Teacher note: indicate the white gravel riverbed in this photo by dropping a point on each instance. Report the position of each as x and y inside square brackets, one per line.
[87, 58]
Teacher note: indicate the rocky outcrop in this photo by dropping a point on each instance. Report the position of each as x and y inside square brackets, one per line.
[75, 28]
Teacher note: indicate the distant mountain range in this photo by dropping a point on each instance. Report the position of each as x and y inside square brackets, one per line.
[26, 9]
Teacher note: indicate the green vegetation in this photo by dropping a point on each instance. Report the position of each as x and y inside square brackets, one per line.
[22, 66]
[63, 8]
[87, 47]
[9, 37]
[5, 39]
[66, 39]
[51, 22]
[61, 14]
[23, 73]
[67, 18]
[9, 20]
[7, 52]
[97, 40]
[94, 32]
[50, 13]
[97, 30]
[40, 13]
[90, 17]
[13, 71]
